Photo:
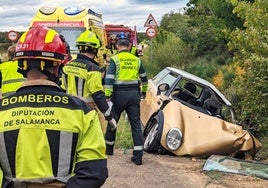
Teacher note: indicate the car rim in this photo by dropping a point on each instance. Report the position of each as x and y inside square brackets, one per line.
[151, 135]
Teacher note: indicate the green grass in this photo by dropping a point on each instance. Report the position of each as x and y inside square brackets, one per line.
[123, 134]
[263, 153]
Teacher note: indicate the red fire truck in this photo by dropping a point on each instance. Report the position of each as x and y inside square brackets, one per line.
[116, 29]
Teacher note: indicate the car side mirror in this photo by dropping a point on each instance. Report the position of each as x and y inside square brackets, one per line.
[162, 87]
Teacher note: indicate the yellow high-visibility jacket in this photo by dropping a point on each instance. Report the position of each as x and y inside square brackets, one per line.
[110, 50]
[11, 79]
[125, 70]
[134, 50]
[47, 135]
[82, 77]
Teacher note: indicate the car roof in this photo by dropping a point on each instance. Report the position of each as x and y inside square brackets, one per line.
[202, 81]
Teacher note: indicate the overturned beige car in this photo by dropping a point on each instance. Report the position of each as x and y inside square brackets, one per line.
[186, 115]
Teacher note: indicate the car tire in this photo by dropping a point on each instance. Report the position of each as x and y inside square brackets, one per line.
[151, 141]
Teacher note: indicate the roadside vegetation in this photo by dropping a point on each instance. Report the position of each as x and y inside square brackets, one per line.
[225, 42]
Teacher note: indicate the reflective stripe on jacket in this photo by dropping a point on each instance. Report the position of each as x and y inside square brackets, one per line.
[11, 79]
[82, 78]
[1, 177]
[125, 70]
[48, 135]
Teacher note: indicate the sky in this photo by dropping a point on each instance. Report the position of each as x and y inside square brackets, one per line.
[17, 14]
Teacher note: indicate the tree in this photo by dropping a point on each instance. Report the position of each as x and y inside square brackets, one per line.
[166, 49]
[177, 23]
[208, 20]
[251, 53]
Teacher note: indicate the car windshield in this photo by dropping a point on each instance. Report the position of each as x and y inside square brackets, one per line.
[70, 35]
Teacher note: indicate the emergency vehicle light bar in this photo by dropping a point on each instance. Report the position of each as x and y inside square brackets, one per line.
[72, 10]
[94, 13]
[47, 10]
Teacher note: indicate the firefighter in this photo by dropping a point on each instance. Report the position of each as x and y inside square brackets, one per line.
[111, 47]
[48, 138]
[10, 79]
[82, 76]
[122, 88]
[110, 50]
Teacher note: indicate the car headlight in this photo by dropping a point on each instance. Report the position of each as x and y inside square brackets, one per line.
[174, 138]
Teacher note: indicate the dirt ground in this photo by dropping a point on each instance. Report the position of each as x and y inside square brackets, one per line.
[166, 171]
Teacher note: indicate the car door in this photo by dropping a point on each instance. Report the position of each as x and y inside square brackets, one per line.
[154, 100]
[150, 104]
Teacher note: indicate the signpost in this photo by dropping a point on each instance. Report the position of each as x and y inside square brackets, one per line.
[151, 31]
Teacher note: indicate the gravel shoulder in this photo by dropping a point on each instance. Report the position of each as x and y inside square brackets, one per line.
[171, 171]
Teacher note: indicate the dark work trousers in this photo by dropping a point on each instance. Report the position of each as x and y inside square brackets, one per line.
[128, 100]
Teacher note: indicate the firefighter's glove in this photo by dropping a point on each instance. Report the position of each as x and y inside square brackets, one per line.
[143, 95]
[112, 124]
[110, 104]
[110, 118]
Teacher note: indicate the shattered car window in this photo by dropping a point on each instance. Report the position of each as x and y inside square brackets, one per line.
[165, 76]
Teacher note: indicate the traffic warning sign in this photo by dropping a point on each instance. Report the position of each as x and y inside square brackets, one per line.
[150, 22]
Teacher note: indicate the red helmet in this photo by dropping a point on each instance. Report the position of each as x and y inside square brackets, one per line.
[43, 44]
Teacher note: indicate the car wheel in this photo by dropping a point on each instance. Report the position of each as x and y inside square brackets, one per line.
[151, 142]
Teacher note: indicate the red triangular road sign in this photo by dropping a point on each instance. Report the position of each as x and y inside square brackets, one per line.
[150, 22]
